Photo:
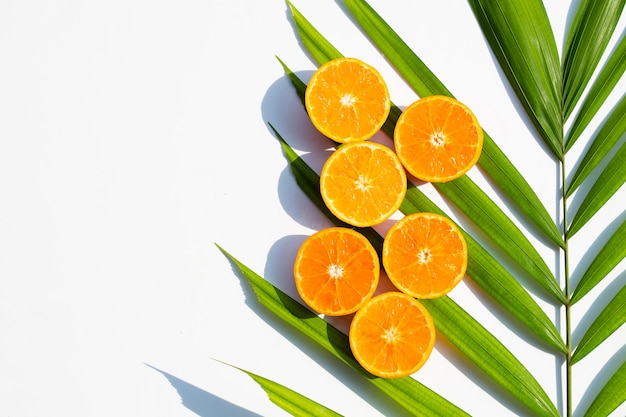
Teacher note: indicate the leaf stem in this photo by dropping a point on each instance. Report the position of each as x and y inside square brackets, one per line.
[568, 328]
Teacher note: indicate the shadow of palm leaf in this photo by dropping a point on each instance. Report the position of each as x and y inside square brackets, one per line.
[203, 403]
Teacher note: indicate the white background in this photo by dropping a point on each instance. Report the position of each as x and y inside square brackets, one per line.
[133, 137]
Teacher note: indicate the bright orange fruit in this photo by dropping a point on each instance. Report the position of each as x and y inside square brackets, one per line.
[392, 335]
[363, 183]
[438, 139]
[347, 100]
[336, 271]
[425, 255]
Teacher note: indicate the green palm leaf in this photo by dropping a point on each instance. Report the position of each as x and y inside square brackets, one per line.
[611, 396]
[611, 254]
[610, 180]
[521, 38]
[407, 392]
[612, 130]
[489, 354]
[591, 30]
[608, 77]
[424, 83]
[289, 400]
[609, 320]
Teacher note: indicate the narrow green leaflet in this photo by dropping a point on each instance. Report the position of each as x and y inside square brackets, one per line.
[589, 34]
[424, 82]
[612, 71]
[609, 320]
[309, 181]
[610, 180]
[397, 52]
[612, 130]
[472, 201]
[611, 254]
[480, 346]
[493, 278]
[407, 392]
[521, 38]
[289, 400]
[482, 267]
[611, 396]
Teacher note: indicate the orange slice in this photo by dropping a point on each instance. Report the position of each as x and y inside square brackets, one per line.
[336, 271]
[438, 139]
[392, 335]
[363, 183]
[347, 100]
[425, 255]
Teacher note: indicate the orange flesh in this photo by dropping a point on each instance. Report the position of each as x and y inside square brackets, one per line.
[363, 184]
[425, 255]
[392, 335]
[347, 100]
[336, 271]
[438, 139]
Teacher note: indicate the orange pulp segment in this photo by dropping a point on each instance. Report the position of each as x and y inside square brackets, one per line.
[336, 271]
[425, 255]
[363, 183]
[438, 139]
[392, 335]
[347, 100]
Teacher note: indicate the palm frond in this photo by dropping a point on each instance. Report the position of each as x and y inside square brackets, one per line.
[590, 33]
[521, 38]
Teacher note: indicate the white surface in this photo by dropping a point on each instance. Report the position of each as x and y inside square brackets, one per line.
[133, 136]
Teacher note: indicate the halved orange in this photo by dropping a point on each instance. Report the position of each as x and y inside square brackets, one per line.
[363, 183]
[336, 271]
[425, 255]
[392, 335]
[438, 139]
[347, 100]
